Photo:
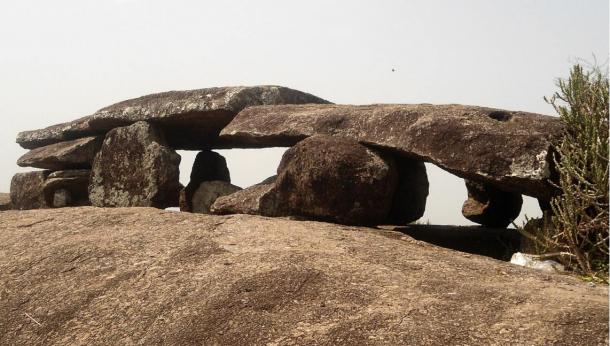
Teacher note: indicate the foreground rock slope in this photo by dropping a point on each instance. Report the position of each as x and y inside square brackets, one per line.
[144, 276]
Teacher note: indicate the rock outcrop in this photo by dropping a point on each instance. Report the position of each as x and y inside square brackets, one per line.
[489, 206]
[191, 119]
[135, 168]
[409, 203]
[27, 190]
[208, 166]
[122, 276]
[208, 192]
[503, 148]
[259, 199]
[74, 154]
[67, 188]
[5, 201]
[336, 179]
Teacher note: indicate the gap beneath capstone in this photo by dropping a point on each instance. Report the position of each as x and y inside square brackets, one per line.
[443, 206]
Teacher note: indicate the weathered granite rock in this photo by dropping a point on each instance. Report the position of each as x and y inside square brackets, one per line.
[135, 168]
[124, 276]
[5, 202]
[489, 206]
[57, 133]
[336, 179]
[409, 202]
[27, 190]
[191, 119]
[504, 148]
[74, 154]
[259, 199]
[67, 188]
[208, 192]
[208, 166]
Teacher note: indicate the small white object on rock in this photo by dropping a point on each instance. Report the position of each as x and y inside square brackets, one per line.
[533, 261]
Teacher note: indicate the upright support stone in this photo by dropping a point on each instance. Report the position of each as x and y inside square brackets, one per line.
[27, 190]
[135, 168]
[208, 166]
[411, 193]
[489, 206]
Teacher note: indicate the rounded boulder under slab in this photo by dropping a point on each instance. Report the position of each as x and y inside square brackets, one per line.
[336, 179]
[208, 166]
[490, 206]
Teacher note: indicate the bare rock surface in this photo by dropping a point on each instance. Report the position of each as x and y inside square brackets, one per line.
[74, 154]
[207, 193]
[259, 199]
[489, 206]
[505, 148]
[135, 168]
[208, 166]
[409, 203]
[336, 179]
[67, 188]
[92, 276]
[5, 201]
[27, 190]
[191, 119]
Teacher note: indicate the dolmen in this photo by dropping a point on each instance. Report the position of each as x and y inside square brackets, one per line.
[356, 165]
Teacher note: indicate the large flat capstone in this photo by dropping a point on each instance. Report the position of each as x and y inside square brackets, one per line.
[191, 119]
[507, 149]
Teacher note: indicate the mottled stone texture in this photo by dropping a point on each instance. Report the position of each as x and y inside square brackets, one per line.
[336, 179]
[489, 206]
[27, 190]
[190, 119]
[503, 148]
[208, 166]
[259, 199]
[409, 202]
[67, 188]
[5, 202]
[141, 276]
[135, 168]
[207, 193]
[75, 154]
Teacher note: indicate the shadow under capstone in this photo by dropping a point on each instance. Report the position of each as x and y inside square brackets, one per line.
[498, 243]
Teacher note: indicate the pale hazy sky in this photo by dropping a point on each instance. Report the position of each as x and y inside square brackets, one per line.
[63, 59]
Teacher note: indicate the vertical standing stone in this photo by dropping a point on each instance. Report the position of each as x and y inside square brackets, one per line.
[135, 168]
[208, 166]
[409, 202]
[27, 190]
[489, 206]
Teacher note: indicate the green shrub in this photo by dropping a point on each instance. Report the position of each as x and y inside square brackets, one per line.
[577, 230]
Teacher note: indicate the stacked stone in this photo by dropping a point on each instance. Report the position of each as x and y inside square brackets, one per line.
[125, 155]
[347, 164]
